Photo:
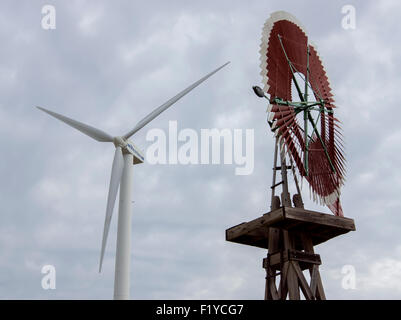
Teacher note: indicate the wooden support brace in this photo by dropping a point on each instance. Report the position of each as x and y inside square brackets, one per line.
[320, 291]
[306, 290]
[283, 288]
[314, 279]
[292, 283]
[273, 289]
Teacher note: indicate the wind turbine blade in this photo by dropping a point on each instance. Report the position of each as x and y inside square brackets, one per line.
[116, 174]
[92, 132]
[170, 102]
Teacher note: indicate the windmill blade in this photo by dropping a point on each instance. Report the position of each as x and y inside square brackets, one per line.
[92, 132]
[169, 103]
[116, 174]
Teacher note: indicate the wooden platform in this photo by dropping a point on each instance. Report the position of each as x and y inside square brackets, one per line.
[320, 226]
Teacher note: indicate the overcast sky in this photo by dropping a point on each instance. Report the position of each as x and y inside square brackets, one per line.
[108, 64]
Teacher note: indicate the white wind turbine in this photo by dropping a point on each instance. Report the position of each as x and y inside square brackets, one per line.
[125, 156]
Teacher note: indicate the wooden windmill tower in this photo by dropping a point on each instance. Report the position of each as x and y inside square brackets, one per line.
[308, 142]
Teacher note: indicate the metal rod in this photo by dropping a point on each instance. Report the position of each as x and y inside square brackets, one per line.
[295, 177]
[274, 172]
[310, 86]
[279, 167]
[286, 201]
[307, 73]
[292, 70]
[300, 105]
[306, 151]
[277, 184]
[321, 141]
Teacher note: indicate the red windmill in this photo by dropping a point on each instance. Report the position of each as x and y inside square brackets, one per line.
[301, 115]
[307, 127]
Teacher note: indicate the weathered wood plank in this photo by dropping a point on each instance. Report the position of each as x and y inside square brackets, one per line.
[307, 257]
[320, 226]
[320, 291]
[273, 289]
[271, 292]
[275, 258]
[292, 283]
[307, 242]
[286, 240]
[314, 279]
[267, 287]
[319, 218]
[283, 288]
[303, 257]
[274, 237]
[302, 282]
[265, 221]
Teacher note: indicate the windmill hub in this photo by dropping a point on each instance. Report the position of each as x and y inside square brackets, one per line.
[119, 142]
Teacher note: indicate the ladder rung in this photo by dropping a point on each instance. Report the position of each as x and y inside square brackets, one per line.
[277, 184]
[279, 167]
[273, 275]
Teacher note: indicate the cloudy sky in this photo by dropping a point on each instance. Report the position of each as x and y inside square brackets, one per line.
[108, 64]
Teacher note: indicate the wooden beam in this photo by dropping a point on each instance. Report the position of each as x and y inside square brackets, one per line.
[273, 289]
[247, 227]
[320, 291]
[302, 281]
[292, 283]
[283, 288]
[286, 240]
[306, 257]
[275, 258]
[274, 238]
[314, 279]
[320, 226]
[307, 242]
[319, 218]
[285, 255]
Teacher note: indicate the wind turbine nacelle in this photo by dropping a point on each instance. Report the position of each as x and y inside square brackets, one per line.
[135, 151]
